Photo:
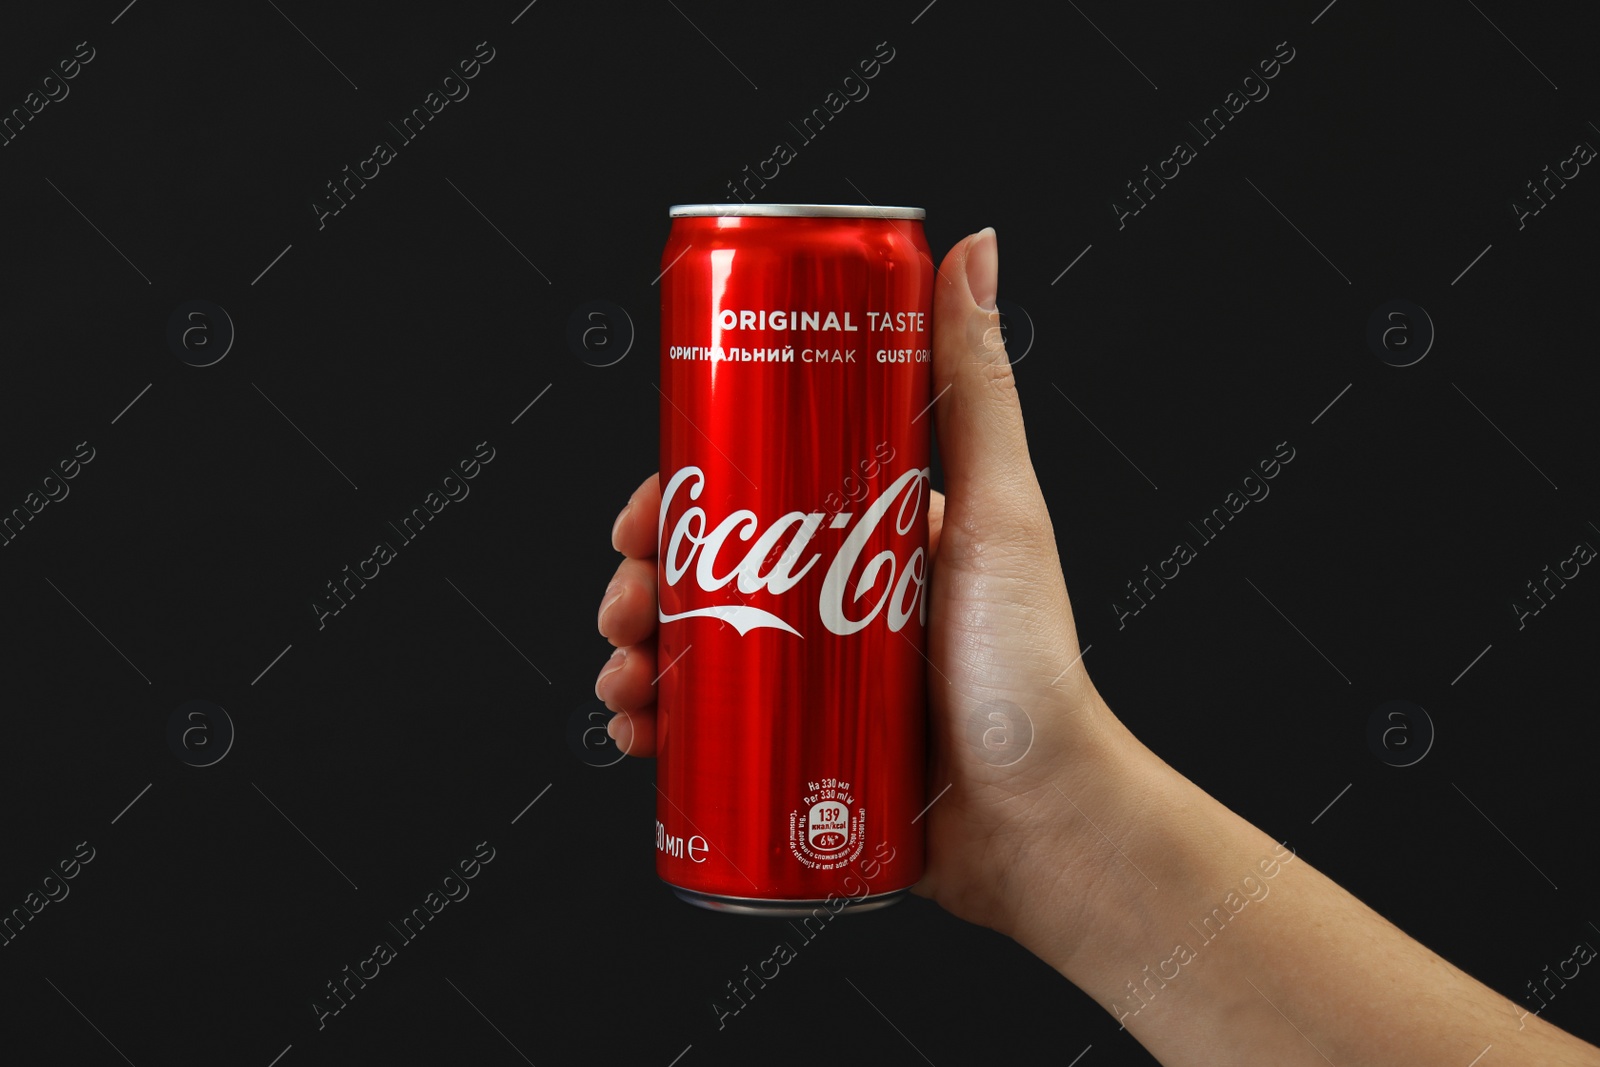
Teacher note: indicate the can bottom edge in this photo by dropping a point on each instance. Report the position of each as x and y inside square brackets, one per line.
[784, 909]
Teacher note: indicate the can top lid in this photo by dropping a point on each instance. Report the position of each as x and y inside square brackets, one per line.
[832, 211]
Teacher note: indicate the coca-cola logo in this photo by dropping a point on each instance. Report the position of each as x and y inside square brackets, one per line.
[855, 591]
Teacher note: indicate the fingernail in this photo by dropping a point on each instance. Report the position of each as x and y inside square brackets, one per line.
[613, 665]
[618, 524]
[983, 267]
[613, 594]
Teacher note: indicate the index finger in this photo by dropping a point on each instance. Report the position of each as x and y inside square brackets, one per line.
[634, 534]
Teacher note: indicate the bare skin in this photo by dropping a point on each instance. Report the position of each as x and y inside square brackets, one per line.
[1208, 940]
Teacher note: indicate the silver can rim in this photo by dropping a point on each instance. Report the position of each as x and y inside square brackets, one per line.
[821, 211]
[785, 909]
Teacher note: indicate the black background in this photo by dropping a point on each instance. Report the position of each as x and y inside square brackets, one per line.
[415, 324]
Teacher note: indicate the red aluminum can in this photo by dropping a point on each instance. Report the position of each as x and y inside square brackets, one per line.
[793, 562]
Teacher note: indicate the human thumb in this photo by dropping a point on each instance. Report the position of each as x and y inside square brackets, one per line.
[990, 486]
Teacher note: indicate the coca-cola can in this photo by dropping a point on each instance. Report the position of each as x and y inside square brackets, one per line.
[792, 573]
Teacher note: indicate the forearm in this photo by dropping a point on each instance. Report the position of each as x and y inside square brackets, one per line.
[1212, 943]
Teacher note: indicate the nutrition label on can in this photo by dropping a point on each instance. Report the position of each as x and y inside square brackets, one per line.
[825, 833]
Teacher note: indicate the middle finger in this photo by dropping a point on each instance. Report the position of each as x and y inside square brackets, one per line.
[628, 606]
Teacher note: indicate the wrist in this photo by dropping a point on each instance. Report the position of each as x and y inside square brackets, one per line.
[1121, 851]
